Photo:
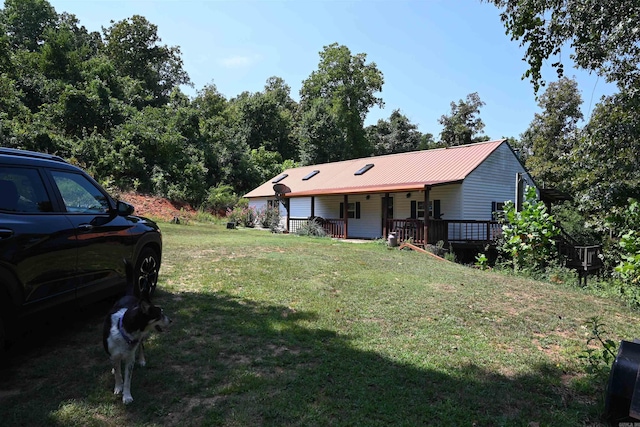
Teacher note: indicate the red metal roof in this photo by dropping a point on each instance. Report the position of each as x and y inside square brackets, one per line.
[390, 173]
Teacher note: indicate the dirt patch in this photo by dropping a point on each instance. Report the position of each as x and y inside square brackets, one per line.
[158, 208]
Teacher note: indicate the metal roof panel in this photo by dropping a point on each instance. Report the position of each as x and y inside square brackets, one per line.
[393, 172]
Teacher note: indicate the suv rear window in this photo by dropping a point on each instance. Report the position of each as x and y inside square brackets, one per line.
[22, 190]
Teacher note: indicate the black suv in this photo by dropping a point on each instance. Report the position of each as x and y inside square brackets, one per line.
[63, 239]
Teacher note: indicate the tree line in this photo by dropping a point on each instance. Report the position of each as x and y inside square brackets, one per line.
[111, 102]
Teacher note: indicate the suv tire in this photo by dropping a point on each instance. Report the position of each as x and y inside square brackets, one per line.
[145, 273]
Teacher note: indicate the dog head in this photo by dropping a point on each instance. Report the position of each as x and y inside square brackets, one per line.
[154, 317]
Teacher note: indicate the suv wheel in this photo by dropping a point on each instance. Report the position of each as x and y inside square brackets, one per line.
[146, 272]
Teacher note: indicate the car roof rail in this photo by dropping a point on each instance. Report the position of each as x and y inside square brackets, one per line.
[32, 154]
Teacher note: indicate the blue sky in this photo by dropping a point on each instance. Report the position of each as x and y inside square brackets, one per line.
[431, 52]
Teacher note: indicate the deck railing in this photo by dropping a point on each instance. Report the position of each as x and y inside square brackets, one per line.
[333, 227]
[458, 231]
[585, 258]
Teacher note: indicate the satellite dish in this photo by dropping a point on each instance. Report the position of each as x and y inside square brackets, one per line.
[281, 189]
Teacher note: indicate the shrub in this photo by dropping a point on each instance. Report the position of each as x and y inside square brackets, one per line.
[528, 235]
[628, 222]
[220, 198]
[311, 228]
[244, 216]
[269, 217]
[482, 262]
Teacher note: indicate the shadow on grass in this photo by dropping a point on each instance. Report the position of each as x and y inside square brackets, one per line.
[227, 361]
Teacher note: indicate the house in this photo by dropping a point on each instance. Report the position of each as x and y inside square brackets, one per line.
[448, 194]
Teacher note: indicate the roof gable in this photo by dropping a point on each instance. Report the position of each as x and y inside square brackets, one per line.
[393, 172]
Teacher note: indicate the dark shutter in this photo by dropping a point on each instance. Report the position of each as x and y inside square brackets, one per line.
[436, 209]
[493, 210]
[341, 210]
[414, 209]
[357, 209]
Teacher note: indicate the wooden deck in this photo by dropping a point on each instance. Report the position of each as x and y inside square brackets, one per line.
[413, 230]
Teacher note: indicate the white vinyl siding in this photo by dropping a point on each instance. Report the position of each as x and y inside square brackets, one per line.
[494, 180]
[300, 207]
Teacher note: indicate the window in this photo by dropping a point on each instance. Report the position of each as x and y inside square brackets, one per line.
[497, 208]
[79, 194]
[280, 178]
[22, 190]
[273, 204]
[353, 210]
[364, 169]
[310, 175]
[418, 211]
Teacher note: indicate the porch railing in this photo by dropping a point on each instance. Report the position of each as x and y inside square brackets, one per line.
[333, 227]
[457, 231]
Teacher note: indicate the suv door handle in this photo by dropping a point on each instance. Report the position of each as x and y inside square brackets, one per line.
[5, 233]
[85, 227]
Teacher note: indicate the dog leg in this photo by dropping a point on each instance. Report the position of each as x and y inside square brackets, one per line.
[141, 359]
[117, 373]
[128, 372]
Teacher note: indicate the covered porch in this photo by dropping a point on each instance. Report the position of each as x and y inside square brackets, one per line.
[411, 227]
[416, 231]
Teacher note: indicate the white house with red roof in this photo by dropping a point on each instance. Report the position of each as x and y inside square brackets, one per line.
[447, 194]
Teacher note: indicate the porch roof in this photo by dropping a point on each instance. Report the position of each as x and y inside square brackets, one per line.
[391, 173]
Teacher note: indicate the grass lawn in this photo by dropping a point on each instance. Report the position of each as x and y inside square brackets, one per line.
[281, 330]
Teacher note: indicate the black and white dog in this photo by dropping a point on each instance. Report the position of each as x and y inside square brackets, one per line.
[129, 322]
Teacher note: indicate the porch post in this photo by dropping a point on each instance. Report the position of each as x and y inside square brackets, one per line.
[385, 217]
[427, 219]
[346, 216]
[313, 206]
[288, 214]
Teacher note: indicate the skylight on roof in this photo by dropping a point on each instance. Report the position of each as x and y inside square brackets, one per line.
[364, 169]
[280, 178]
[311, 175]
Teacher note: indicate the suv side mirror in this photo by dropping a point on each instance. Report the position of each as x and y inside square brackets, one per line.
[125, 209]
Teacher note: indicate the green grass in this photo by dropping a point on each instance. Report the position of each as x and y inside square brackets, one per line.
[282, 330]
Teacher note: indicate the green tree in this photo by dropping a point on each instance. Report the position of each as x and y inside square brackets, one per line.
[396, 135]
[346, 84]
[133, 47]
[553, 135]
[607, 160]
[25, 22]
[427, 142]
[267, 118]
[602, 36]
[320, 137]
[462, 125]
